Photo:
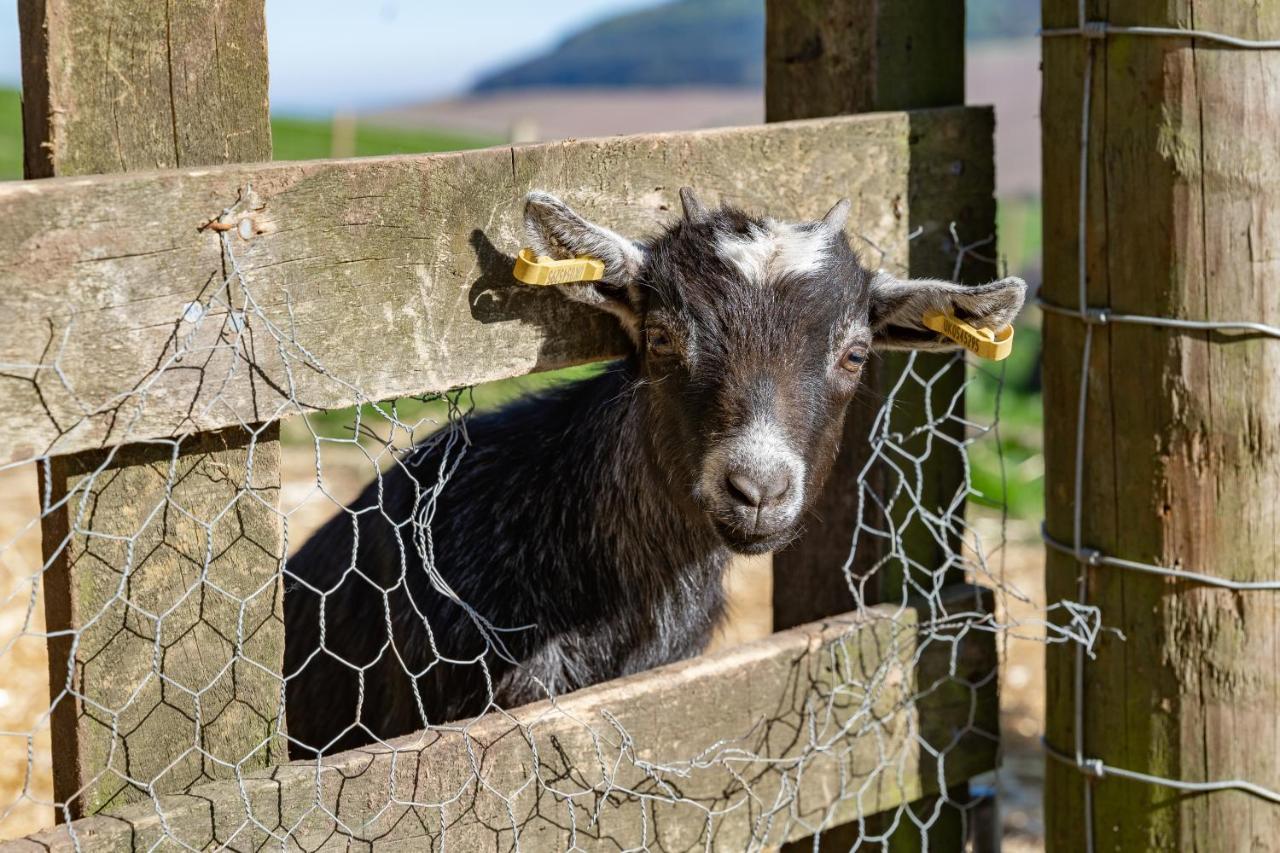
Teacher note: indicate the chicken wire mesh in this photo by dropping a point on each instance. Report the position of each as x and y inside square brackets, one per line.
[165, 660]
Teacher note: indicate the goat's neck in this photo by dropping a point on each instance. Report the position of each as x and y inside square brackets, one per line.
[649, 514]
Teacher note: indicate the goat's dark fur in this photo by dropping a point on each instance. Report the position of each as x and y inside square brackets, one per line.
[573, 527]
[557, 523]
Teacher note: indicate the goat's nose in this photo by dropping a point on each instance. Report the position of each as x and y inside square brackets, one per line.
[756, 490]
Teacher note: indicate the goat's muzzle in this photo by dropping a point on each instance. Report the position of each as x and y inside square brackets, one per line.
[752, 486]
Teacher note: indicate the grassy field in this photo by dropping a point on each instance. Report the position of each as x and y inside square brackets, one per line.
[1018, 223]
[1020, 480]
[303, 139]
[1008, 467]
[1015, 479]
[292, 139]
[10, 135]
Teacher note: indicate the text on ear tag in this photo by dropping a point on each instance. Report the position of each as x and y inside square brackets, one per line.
[539, 269]
[984, 343]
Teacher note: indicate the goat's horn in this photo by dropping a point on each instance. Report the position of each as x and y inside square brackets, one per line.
[694, 212]
[837, 216]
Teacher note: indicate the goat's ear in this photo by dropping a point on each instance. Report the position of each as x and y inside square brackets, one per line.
[898, 306]
[555, 230]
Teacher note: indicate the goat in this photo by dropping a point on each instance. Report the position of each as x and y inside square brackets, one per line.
[584, 533]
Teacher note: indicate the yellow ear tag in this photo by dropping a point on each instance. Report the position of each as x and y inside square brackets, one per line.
[995, 346]
[539, 269]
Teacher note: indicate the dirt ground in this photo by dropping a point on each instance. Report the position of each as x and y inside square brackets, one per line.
[1018, 574]
[24, 689]
[24, 663]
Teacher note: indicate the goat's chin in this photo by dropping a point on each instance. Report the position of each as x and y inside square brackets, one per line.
[766, 546]
[749, 543]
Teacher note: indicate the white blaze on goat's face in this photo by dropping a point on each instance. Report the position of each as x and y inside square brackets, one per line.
[751, 334]
[772, 250]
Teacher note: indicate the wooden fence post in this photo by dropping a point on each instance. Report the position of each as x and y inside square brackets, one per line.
[833, 58]
[145, 694]
[1179, 449]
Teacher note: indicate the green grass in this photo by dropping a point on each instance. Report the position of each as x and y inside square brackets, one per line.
[304, 139]
[1017, 479]
[1020, 480]
[423, 414]
[292, 138]
[10, 135]
[1018, 222]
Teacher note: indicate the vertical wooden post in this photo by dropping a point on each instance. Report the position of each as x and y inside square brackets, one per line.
[122, 87]
[833, 58]
[164, 560]
[1180, 461]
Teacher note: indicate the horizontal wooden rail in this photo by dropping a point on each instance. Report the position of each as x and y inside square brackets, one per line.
[847, 713]
[384, 277]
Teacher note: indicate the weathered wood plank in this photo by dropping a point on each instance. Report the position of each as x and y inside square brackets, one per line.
[164, 562]
[1180, 451]
[383, 277]
[933, 254]
[163, 558]
[142, 85]
[766, 741]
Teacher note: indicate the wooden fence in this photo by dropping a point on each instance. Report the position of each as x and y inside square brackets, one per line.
[395, 273]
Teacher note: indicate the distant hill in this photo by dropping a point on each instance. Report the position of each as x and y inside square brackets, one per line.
[685, 43]
[697, 43]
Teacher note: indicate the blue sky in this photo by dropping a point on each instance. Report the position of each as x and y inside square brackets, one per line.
[338, 54]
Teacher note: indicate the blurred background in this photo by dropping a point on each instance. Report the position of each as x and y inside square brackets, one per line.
[394, 76]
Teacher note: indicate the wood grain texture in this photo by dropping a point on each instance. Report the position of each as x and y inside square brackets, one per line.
[838, 57]
[748, 713]
[162, 558]
[1181, 447]
[142, 85]
[167, 569]
[384, 277]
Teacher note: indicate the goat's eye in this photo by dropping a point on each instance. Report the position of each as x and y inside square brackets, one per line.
[659, 342]
[853, 359]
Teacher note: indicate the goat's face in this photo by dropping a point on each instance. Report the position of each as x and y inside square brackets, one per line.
[751, 337]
